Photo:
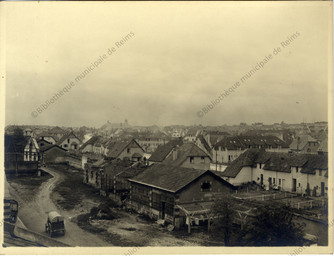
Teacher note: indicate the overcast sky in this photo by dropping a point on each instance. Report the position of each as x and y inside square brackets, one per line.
[180, 58]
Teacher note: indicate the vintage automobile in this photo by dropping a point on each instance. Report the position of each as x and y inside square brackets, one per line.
[55, 224]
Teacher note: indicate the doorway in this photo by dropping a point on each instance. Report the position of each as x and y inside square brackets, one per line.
[163, 210]
[294, 185]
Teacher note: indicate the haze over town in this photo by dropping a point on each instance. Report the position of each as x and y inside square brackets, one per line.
[166, 72]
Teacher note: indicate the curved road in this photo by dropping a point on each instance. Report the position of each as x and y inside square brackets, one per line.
[34, 215]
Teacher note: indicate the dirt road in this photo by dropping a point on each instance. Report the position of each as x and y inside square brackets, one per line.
[34, 213]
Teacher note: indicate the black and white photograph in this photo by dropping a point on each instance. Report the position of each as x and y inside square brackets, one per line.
[201, 127]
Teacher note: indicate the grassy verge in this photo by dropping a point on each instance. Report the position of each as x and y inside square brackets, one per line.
[28, 185]
[71, 189]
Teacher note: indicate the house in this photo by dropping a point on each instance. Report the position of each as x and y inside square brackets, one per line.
[124, 149]
[203, 144]
[304, 144]
[69, 141]
[161, 153]
[231, 147]
[323, 147]
[111, 177]
[52, 154]
[88, 145]
[188, 155]
[301, 173]
[150, 141]
[21, 154]
[212, 137]
[161, 191]
[48, 137]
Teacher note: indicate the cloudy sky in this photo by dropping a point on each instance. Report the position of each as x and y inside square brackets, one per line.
[181, 57]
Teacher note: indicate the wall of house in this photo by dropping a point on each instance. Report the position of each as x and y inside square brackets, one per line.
[147, 200]
[73, 161]
[283, 180]
[194, 191]
[244, 176]
[225, 156]
[133, 148]
[70, 143]
[197, 163]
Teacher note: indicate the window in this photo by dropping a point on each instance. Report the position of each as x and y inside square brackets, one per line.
[191, 159]
[274, 179]
[68, 140]
[206, 186]
[128, 150]
[260, 166]
[65, 145]
[320, 172]
[297, 169]
[279, 181]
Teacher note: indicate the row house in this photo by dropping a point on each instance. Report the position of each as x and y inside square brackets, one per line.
[302, 173]
[230, 148]
[151, 141]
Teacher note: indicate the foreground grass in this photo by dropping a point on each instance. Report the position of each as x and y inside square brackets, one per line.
[71, 189]
[28, 185]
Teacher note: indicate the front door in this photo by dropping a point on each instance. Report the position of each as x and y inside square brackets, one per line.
[322, 188]
[294, 185]
[261, 179]
[163, 210]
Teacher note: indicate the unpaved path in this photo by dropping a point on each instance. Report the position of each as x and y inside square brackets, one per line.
[33, 214]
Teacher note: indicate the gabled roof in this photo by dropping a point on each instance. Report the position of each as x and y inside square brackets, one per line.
[48, 147]
[204, 143]
[163, 150]
[170, 178]
[118, 146]
[48, 135]
[91, 141]
[275, 161]
[183, 152]
[62, 139]
[300, 142]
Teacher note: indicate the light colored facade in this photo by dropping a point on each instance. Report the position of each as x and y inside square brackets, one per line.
[31, 151]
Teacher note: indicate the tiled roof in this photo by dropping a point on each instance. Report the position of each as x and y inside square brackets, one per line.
[163, 150]
[243, 142]
[300, 142]
[118, 146]
[62, 139]
[91, 141]
[275, 161]
[204, 143]
[169, 178]
[48, 147]
[183, 152]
